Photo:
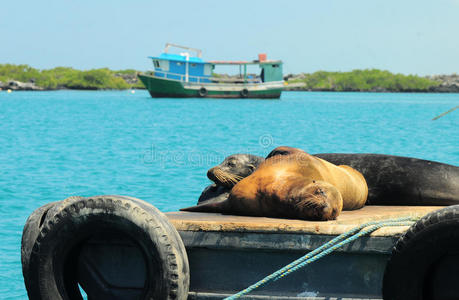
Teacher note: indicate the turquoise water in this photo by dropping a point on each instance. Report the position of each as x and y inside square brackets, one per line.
[57, 144]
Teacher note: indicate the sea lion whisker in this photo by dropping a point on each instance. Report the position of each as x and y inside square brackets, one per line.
[234, 176]
[216, 175]
[232, 179]
[220, 177]
[221, 174]
[223, 179]
[309, 204]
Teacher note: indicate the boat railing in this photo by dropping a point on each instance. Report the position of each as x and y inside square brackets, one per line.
[202, 79]
[168, 45]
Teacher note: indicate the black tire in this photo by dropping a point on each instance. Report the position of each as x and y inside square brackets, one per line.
[202, 92]
[244, 93]
[75, 227]
[29, 236]
[418, 259]
[59, 206]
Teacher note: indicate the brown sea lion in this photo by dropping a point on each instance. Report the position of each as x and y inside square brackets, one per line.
[293, 184]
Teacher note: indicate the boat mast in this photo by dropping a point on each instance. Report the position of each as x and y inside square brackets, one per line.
[245, 73]
[187, 55]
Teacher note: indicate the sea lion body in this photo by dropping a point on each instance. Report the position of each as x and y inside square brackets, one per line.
[297, 185]
[397, 180]
[225, 175]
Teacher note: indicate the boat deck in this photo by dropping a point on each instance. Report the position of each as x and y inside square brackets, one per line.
[190, 221]
[229, 253]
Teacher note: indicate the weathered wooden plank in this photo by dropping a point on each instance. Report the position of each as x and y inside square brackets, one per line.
[189, 221]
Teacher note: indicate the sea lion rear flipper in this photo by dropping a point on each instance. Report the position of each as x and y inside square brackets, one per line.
[209, 206]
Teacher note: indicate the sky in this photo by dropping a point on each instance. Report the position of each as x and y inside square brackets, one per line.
[402, 36]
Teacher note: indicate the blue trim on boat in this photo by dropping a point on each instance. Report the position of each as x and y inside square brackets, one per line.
[178, 57]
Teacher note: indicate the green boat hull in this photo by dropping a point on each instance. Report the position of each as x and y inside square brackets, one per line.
[166, 88]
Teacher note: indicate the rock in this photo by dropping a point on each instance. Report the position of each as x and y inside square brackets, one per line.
[21, 86]
[448, 83]
[292, 77]
[129, 78]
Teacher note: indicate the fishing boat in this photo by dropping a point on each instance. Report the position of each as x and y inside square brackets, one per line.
[183, 75]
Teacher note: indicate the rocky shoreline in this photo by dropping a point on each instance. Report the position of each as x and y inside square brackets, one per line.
[448, 83]
[15, 85]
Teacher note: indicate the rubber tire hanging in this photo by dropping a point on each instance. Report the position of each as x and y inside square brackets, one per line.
[423, 259]
[69, 224]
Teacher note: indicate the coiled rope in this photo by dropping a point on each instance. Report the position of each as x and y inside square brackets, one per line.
[326, 249]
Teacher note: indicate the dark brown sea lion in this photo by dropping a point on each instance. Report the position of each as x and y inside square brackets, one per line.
[397, 180]
[294, 185]
[225, 175]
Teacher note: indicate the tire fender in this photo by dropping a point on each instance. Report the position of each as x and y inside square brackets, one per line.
[414, 265]
[202, 92]
[68, 227]
[29, 236]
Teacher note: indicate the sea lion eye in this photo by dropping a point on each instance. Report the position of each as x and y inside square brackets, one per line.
[231, 164]
[319, 191]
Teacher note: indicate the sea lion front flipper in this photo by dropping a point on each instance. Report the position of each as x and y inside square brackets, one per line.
[214, 193]
[221, 206]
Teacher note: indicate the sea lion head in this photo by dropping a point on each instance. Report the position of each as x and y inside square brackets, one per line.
[234, 168]
[318, 201]
[284, 150]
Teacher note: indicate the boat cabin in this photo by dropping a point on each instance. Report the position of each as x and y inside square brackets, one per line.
[186, 68]
[182, 67]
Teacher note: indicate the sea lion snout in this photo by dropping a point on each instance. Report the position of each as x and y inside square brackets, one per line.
[211, 175]
[221, 177]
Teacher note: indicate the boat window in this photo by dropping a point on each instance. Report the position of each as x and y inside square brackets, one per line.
[164, 65]
[193, 65]
[179, 63]
[275, 66]
[156, 63]
[208, 69]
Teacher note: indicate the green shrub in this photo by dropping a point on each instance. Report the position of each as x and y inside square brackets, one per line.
[64, 77]
[366, 80]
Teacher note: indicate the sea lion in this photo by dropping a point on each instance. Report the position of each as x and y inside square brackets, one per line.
[294, 185]
[397, 180]
[225, 175]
